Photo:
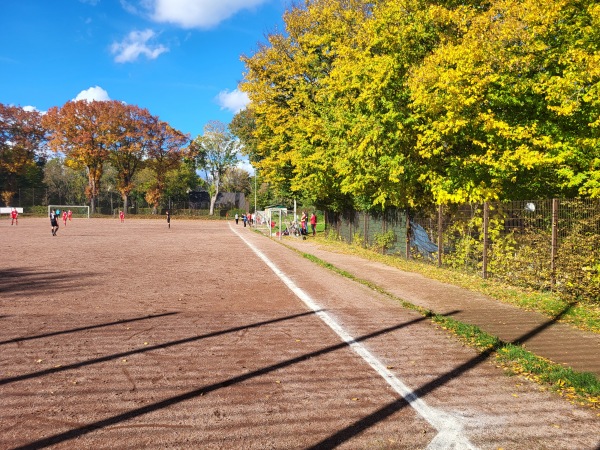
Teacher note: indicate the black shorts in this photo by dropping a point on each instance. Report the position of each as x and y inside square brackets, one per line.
[54, 223]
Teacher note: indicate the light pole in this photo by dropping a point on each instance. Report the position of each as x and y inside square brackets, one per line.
[255, 184]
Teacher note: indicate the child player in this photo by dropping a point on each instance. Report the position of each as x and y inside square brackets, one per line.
[70, 215]
[14, 215]
[65, 218]
[54, 222]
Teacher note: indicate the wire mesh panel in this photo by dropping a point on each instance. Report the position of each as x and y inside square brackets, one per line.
[530, 244]
[521, 243]
[384, 231]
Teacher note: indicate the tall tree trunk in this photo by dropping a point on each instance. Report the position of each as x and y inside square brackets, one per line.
[213, 198]
[92, 196]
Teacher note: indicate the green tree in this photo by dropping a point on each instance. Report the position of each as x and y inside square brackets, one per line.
[215, 151]
[64, 183]
[369, 113]
[286, 80]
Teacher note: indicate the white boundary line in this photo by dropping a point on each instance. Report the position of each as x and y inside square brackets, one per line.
[450, 431]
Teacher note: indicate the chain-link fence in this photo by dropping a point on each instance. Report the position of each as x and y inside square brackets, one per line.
[387, 231]
[36, 199]
[543, 244]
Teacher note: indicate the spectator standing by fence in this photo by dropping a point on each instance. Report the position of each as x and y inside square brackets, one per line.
[313, 224]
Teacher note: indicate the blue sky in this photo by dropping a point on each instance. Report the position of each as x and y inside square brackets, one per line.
[180, 59]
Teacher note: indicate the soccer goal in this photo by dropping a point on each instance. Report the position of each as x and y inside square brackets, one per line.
[78, 211]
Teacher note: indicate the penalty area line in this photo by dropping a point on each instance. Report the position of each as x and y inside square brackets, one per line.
[450, 433]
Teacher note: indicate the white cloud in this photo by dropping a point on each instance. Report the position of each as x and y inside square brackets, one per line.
[233, 101]
[129, 7]
[93, 93]
[136, 44]
[198, 13]
[30, 108]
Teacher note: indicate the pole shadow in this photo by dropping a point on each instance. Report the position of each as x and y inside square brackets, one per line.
[90, 327]
[89, 428]
[358, 427]
[115, 356]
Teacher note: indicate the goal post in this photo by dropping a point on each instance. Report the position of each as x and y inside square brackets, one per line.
[79, 211]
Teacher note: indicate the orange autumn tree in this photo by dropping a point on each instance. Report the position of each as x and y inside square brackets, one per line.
[165, 152]
[78, 130]
[22, 140]
[92, 133]
[128, 141]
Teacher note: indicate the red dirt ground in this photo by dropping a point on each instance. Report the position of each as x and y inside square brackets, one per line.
[134, 335]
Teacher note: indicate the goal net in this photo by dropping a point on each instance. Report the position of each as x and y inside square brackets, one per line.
[78, 211]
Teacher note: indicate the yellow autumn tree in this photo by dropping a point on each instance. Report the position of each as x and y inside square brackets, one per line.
[285, 80]
[487, 125]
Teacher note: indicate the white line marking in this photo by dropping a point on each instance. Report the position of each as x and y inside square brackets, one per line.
[450, 431]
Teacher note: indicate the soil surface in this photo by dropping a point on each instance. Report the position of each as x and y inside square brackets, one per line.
[209, 335]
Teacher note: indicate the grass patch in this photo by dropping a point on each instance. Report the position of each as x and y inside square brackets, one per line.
[577, 387]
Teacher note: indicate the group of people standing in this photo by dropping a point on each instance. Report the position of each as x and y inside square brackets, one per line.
[304, 223]
[246, 218]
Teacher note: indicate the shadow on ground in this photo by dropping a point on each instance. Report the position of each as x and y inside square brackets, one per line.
[24, 282]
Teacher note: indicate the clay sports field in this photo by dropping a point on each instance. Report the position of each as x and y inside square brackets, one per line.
[209, 335]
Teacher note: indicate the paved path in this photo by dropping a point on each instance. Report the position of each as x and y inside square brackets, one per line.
[539, 334]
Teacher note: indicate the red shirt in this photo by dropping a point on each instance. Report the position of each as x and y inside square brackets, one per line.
[14, 214]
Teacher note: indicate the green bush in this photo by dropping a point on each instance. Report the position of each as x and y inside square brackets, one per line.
[37, 210]
[384, 241]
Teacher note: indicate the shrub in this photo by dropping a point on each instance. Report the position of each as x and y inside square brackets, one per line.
[384, 241]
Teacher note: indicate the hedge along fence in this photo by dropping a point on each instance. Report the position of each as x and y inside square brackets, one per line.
[544, 244]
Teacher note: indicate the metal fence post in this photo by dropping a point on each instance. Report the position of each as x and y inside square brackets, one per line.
[366, 225]
[486, 219]
[407, 234]
[440, 242]
[554, 249]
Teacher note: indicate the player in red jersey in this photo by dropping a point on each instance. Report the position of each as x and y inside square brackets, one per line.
[14, 215]
[122, 216]
[65, 218]
[70, 215]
